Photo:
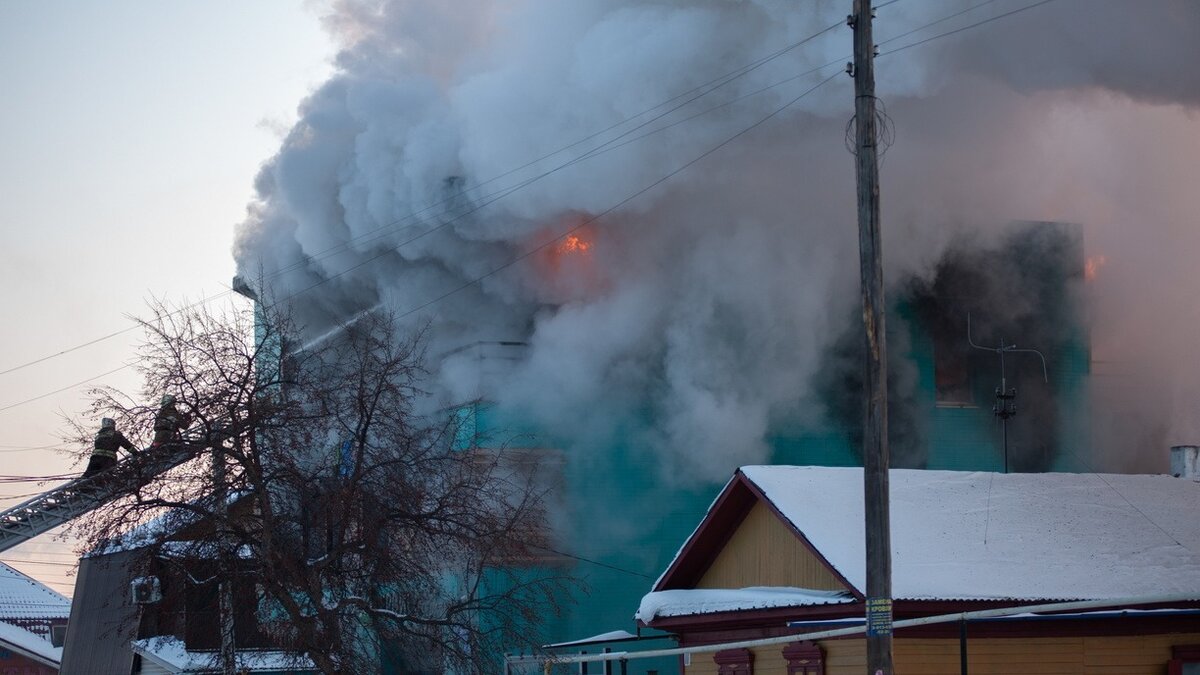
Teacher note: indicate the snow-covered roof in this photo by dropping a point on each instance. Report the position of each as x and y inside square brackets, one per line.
[689, 602]
[22, 597]
[172, 654]
[156, 529]
[1024, 536]
[610, 636]
[30, 645]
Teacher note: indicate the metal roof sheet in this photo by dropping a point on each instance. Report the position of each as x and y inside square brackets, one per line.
[23, 597]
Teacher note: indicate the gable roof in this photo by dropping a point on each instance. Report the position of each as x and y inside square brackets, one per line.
[978, 535]
[23, 597]
[27, 607]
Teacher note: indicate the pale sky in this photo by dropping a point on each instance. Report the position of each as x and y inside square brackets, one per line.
[131, 132]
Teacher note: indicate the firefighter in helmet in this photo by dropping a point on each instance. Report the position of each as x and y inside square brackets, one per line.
[168, 422]
[108, 441]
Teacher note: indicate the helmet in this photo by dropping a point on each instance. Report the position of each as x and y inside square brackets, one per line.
[108, 423]
[168, 399]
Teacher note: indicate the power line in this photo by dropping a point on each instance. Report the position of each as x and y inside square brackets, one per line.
[967, 27]
[59, 391]
[39, 562]
[593, 562]
[934, 23]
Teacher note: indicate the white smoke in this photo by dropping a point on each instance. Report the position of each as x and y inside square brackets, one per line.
[698, 314]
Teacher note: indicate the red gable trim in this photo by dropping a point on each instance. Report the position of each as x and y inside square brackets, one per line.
[698, 552]
[727, 513]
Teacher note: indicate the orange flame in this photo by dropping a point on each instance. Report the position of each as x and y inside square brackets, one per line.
[1092, 267]
[574, 244]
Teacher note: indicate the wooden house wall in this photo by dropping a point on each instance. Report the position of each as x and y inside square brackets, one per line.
[1101, 655]
[12, 663]
[764, 552]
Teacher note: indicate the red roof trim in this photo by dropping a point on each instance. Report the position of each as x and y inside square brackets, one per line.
[775, 617]
[727, 512]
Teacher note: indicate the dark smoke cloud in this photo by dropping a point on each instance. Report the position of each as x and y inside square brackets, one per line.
[703, 308]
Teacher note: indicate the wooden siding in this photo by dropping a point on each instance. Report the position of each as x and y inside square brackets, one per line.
[765, 552]
[1115, 655]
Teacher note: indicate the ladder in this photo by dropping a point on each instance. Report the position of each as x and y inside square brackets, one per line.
[81, 495]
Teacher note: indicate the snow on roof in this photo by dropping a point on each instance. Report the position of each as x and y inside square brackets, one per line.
[28, 644]
[22, 597]
[165, 524]
[172, 654]
[1026, 536]
[610, 636]
[711, 600]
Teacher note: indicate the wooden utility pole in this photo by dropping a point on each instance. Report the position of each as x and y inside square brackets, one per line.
[875, 442]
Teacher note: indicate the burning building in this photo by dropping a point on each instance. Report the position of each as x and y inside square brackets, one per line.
[647, 241]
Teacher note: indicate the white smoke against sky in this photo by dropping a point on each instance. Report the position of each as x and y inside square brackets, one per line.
[697, 314]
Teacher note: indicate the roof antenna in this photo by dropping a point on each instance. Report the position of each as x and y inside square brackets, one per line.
[1006, 398]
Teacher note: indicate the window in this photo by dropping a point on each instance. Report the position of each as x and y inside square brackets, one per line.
[734, 662]
[951, 370]
[804, 658]
[1185, 660]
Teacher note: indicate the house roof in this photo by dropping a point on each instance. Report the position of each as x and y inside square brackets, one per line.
[22, 597]
[29, 645]
[978, 535]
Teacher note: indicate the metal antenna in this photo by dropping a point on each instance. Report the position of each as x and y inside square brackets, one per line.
[1006, 399]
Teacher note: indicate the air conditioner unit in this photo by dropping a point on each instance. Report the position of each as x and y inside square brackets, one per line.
[145, 590]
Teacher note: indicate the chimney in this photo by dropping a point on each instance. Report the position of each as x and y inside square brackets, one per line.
[1185, 462]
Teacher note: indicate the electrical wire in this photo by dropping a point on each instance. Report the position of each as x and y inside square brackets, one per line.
[967, 27]
[592, 562]
[59, 391]
[34, 479]
[934, 23]
[37, 562]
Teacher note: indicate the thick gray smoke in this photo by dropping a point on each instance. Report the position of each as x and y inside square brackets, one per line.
[693, 316]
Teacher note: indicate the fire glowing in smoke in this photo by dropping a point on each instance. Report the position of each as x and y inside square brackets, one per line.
[1092, 266]
[570, 267]
[574, 244]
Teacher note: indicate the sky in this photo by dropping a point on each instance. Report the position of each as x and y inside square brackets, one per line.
[131, 134]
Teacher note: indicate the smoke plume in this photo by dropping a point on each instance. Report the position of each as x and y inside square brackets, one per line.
[689, 318]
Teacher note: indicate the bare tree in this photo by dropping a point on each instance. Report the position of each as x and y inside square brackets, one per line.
[365, 532]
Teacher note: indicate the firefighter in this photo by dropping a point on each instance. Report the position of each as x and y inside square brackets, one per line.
[169, 422]
[108, 441]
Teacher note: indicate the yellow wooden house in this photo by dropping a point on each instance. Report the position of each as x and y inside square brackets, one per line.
[781, 552]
